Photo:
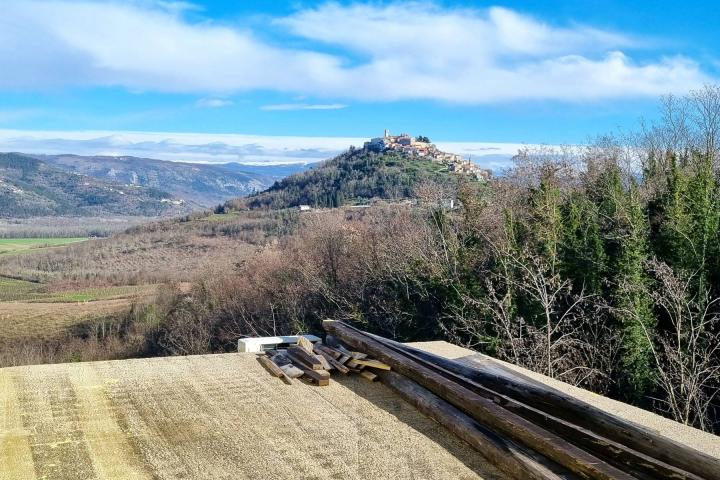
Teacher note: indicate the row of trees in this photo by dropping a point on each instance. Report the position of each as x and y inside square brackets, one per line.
[604, 270]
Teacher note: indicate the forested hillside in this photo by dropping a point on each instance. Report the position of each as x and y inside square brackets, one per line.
[30, 187]
[356, 176]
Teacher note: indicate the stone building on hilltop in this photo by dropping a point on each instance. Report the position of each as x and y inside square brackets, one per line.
[411, 146]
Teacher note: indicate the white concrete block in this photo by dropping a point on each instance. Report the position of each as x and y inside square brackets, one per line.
[256, 344]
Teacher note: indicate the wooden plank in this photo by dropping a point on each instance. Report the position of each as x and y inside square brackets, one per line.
[305, 343]
[328, 350]
[304, 359]
[507, 456]
[548, 403]
[337, 365]
[326, 365]
[274, 369]
[291, 371]
[344, 359]
[352, 363]
[280, 359]
[483, 410]
[368, 375]
[373, 364]
[319, 377]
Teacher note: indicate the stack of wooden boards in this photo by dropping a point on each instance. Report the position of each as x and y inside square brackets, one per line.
[314, 362]
[526, 429]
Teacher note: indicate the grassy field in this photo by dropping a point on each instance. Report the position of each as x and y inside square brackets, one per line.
[11, 289]
[30, 310]
[18, 245]
[45, 321]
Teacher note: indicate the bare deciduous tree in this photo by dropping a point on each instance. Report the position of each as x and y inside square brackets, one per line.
[687, 356]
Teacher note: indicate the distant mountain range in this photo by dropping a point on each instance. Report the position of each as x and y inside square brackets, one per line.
[33, 185]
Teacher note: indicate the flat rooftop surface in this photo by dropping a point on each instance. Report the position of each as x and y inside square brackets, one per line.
[223, 416]
[214, 417]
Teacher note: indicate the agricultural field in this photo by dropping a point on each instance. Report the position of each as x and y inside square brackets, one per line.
[18, 245]
[47, 309]
[30, 311]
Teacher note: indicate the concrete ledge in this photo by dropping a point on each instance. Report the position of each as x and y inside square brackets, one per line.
[258, 344]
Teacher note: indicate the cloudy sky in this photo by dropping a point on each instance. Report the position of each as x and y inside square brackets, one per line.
[297, 80]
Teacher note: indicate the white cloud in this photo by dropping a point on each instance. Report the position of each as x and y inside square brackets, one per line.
[221, 148]
[385, 52]
[303, 106]
[213, 103]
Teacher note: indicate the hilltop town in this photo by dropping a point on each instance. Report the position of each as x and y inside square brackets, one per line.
[422, 147]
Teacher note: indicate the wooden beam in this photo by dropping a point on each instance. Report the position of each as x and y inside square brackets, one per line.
[300, 356]
[319, 377]
[368, 375]
[328, 350]
[589, 427]
[483, 410]
[338, 366]
[504, 454]
[305, 343]
[274, 369]
[373, 364]
[326, 365]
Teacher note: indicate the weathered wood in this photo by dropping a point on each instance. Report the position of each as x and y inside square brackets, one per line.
[647, 453]
[280, 359]
[373, 364]
[344, 359]
[291, 370]
[352, 363]
[305, 343]
[483, 410]
[331, 341]
[320, 377]
[326, 365]
[368, 375]
[327, 350]
[274, 369]
[337, 365]
[507, 456]
[638, 464]
[304, 359]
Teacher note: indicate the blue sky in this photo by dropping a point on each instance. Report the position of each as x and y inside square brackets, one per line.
[336, 72]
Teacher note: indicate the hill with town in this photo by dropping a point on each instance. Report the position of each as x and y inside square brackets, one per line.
[388, 168]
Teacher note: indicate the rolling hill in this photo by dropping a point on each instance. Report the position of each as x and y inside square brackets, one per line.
[356, 176]
[204, 185]
[31, 187]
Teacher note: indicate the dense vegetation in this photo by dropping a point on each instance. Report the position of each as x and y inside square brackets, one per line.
[353, 177]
